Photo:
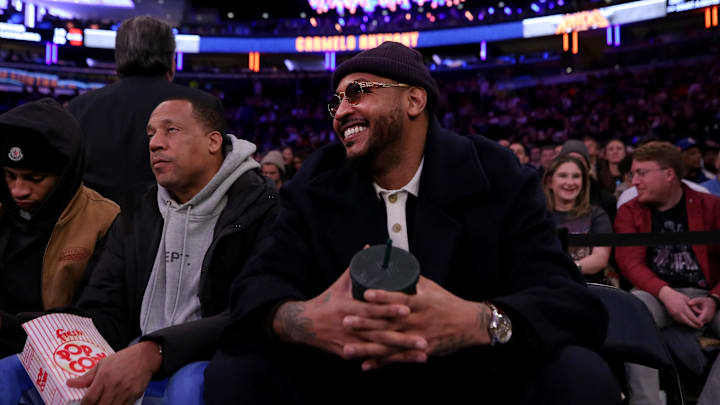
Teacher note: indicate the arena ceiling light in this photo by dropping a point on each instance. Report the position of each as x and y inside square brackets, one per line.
[369, 6]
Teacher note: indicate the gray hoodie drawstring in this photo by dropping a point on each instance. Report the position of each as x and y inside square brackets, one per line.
[168, 203]
[182, 261]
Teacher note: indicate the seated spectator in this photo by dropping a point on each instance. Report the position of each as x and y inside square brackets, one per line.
[288, 156]
[567, 194]
[50, 223]
[519, 150]
[678, 283]
[609, 176]
[535, 156]
[710, 151]
[714, 185]
[547, 155]
[484, 246]
[165, 271]
[593, 155]
[273, 167]
[632, 192]
[299, 159]
[624, 167]
[692, 160]
[598, 196]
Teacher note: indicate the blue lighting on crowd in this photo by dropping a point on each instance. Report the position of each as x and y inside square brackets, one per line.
[507, 10]
[561, 3]
[534, 7]
[617, 35]
[551, 5]
[341, 21]
[491, 10]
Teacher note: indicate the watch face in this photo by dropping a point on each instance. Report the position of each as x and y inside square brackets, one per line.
[503, 332]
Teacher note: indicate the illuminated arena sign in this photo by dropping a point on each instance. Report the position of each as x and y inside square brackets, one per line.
[675, 6]
[528, 28]
[599, 18]
[18, 32]
[582, 21]
[352, 43]
[349, 43]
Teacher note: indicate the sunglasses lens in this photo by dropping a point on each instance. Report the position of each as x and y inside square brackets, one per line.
[334, 103]
[353, 92]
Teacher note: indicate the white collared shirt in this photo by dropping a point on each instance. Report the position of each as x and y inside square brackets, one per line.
[395, 202]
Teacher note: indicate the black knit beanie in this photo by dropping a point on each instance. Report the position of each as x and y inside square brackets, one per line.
[394, 61]
[24, 149]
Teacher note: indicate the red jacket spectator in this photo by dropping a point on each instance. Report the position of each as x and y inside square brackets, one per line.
[703, 212]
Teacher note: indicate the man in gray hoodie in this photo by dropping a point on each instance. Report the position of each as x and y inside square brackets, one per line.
[171, 256]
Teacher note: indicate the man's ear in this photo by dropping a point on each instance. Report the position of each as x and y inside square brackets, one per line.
[215, 141]
[417, 100]
[670, 174]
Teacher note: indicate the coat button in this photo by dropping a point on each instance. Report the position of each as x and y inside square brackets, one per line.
[397, 228]
[392, 198]
[238, 226]
[271, 197]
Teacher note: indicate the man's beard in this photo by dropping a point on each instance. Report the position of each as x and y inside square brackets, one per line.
[386, 132]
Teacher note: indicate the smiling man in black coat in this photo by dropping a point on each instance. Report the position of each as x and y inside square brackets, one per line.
[496, 295]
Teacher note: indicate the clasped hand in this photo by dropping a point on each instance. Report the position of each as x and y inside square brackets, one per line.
[388, 327]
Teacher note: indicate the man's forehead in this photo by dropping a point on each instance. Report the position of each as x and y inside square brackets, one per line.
[23, 171]
[645, 164]
[171, 111]
[171, 108]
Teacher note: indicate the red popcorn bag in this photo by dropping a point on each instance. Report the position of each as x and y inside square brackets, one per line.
[59, 347]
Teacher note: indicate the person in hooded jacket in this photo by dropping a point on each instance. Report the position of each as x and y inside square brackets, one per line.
[158, 293]
[50, 223]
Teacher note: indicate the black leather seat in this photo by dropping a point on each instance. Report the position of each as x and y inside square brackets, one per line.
[632, 335]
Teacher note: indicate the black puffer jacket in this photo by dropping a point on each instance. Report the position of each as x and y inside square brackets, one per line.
[114, 294]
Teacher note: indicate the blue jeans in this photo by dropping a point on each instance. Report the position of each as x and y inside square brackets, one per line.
[185, 387]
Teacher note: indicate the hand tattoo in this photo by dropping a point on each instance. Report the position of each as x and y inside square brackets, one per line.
[295, 326]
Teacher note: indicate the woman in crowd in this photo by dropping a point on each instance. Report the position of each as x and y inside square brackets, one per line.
[567, 192]
[609, 173]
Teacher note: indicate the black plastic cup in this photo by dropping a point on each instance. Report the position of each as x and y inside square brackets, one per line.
[367, 271]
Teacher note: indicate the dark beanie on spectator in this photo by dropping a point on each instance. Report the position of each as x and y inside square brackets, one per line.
[573, 145]
[394, 61]
[23, 149]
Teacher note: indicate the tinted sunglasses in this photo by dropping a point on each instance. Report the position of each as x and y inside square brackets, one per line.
[353, 93]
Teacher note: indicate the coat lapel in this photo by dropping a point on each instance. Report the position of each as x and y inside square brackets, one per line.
[452, 172]
[355, 216]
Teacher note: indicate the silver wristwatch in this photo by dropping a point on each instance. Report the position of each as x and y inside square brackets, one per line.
[500, 327]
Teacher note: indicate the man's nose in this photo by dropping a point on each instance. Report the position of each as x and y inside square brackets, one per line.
[344, 108]
[19, 189]
[156, 142]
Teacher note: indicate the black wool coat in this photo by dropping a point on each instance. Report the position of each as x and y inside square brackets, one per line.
[479, 229]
